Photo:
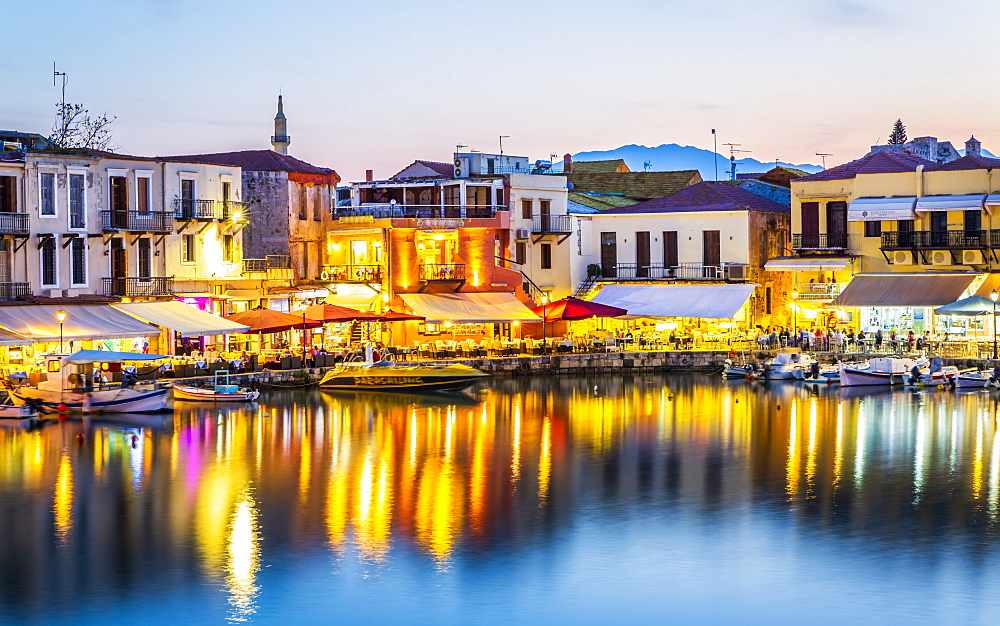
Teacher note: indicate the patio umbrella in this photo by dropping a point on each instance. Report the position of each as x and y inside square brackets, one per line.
[392, 316]
[973, 305]
[575, 309]
[265, 321]
[334, 313]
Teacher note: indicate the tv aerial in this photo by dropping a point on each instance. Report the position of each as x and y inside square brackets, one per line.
[823, 156]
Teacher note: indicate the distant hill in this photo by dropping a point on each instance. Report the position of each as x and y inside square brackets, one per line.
[671, 157]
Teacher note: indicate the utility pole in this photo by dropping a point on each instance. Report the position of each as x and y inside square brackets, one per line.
[62, 103]
[502, 137]
[715, 154]
[823, 156]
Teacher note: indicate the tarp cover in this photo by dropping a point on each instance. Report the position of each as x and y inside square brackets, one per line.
[877, 209]
[951, 203]
[711, 301]
[973, 305]
[106, 356]
[186, 320]
[469, 307]
[83, 322]
[807, 264]
[904, 289]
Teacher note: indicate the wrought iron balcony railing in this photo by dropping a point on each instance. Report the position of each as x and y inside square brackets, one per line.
[233, 211]
[551, 224]
[352, 273]
[14, 291]
[191, 209]
[152, 222]
[941, 240]
[388, 211]
[444, 272]
[820, 241]
[134, 287]
[270, 262]
[13, 223]
[681, 271]
[817, 291]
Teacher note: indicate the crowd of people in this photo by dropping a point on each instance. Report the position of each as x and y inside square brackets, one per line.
[839, 340]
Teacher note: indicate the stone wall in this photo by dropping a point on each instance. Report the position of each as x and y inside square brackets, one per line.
[268, 230]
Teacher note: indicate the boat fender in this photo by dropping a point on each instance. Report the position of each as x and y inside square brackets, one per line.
[732, 354]
[685, 361]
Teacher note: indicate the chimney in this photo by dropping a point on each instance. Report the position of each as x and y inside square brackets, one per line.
[567, 163]
[973, 146]
[369, 175]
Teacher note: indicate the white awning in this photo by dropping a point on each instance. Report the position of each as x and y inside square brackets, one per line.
[877, 209]
[8, 338]
[186, 320]
[951, 203]
[352, 296]
[711, 301]
[84, 322]
[469, 307]
[808, 264]
[924, 289]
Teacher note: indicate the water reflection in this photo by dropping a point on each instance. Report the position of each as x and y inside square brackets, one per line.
[380, 481]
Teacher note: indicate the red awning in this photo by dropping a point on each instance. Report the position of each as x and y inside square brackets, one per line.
[574, 309]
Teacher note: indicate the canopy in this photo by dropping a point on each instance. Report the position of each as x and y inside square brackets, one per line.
[392, 316]
[878, 209]
[354, 296]
[904, 289]
[10, 338]
[992, 200]
[106, 356]
[469, 307]
[574, 309]
[186, 320]
[334, 313]
[710, 301]
[84, 322]
[951, 203]
[973, 305]
[808, 264]
[270, 321]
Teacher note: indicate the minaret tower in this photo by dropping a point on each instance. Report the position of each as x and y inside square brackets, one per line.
[280, 140]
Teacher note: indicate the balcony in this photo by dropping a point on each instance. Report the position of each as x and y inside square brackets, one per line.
[820, 241]
[233, 211]
[396, 211]
[134, 221]
[14, 291]
[133, 287]
[365, 274]
[939, 240]
[551, 225]
[13, 223]
[190, 209]
[812, 292]
[732, 272]
[271, 262]
[442, 273]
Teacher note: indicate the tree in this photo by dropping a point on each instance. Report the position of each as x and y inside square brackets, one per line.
[75, 128]
[898, 134]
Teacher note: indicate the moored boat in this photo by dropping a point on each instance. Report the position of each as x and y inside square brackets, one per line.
[747, 370]
[880, 371]
[787, 364]
[971, 379]
[388, 376]
[221, 391]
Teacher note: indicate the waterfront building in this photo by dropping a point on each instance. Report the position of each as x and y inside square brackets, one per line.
[697, 253]
[880, 241]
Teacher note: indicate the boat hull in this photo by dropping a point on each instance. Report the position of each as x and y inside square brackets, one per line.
[971, 382]
[118, 400]
[850, 377]
[402, 379]
[198, 394]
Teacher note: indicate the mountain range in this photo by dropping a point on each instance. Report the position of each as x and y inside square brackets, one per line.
[672, 157]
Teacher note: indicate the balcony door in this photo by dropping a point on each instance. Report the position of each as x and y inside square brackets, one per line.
[119, 258]
[187, 198]
[810, 225]
[544, 215]
[669, 252]
[711, 258]
[4, 261]
[836, 224]
[939, 228]
[642, 255]
[119, 202]
[609, 255]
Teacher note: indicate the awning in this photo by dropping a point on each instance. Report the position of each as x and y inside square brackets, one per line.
[877, 209]
[711, 301]
[245, 294]
[469, 307]
[84, 322]
[186, 320]
[992, 200]
[904, 289]
[9, 338]
[951, 203]
[82, 357]
[808, 264]
[353, 296]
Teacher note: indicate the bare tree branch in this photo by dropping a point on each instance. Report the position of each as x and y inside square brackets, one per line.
[75, 128]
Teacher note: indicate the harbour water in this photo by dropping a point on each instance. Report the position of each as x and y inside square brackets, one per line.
[645, 498]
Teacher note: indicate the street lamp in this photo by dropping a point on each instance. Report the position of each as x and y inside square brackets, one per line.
[545, 315]
[61, 316]
[993, 296]
[795, 318]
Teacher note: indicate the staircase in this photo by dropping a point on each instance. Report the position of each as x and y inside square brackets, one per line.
[585, 287]
[357, 334]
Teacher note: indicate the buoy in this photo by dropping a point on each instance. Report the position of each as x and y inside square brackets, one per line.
[61, 408]
[79, 437]
[61, 417]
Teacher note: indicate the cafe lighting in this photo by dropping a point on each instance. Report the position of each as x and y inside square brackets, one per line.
[61, 316]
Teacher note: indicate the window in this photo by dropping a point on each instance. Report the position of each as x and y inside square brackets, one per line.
[49, 262]
[188, 254]
[303, 202]
[546, 250]
[142, 195]
[642, 254]
[520, 253]
[77, 203]
[873, 229]
[669, 248]
[317, 208]
[47, 193]
[8, 194]
[78, 261]
[973, 220]
[145, 258]
[526, 209]
[227, 248]
[767, 300]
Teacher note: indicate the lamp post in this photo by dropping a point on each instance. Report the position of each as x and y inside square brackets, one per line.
[993, 297]
[61, 316]
[795, 318]
[545, 315]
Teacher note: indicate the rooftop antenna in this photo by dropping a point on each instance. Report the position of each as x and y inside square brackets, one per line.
[733, 149]
[458, 147]
[715, 153]
[823, 156]
[647, 165]
[502, 137]
[62, 103]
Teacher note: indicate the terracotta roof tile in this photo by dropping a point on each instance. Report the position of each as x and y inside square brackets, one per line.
[254, 161]
[446, 170]
[706, 196]
[872, 163]
[968, 162]
[638, 185]
[597, 167]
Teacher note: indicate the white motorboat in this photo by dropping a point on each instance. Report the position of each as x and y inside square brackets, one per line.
[71, 385]
[971, 379]
[787, 365]
[222, 391]
[820, 375]
[747, 371]
[880, 371]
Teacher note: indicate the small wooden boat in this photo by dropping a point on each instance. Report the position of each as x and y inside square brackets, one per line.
[881, 371]
[747, 370]
[221, 391]
[14, 416]
[971, 379]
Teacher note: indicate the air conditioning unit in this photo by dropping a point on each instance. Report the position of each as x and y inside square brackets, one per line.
[522, 233]
[461, 168]
[902, 258]
[737, 272]
[940, 257]
[973, 257]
